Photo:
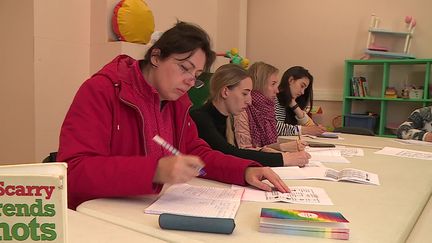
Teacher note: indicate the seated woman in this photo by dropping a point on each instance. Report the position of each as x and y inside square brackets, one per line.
[418, 125]
[295, 93]
[107, 135]
[230, 88]
[255, 128]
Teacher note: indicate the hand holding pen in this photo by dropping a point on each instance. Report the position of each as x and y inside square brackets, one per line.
[176, 169]
[171, 169]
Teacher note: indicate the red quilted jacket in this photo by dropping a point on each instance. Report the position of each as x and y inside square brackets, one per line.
[106, 137]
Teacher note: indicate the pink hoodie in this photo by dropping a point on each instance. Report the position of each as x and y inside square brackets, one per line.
[106, 137]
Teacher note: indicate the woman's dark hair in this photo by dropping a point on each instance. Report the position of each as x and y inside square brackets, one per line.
[284, 96]
[183, 38]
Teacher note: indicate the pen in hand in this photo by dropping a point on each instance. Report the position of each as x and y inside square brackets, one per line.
[169, 147]
[299, 138]
[298, 132]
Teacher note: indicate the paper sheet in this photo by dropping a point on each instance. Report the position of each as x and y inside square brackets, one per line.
[201, 201]
[298, 195]
[350, 152]
[290, 172]
[314, 163]
[342, 150]
[405, 153]
[326, 155]
[412, 142]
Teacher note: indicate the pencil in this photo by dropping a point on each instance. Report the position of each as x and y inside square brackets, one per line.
[298, 132]
[170, 148]
[299, 138]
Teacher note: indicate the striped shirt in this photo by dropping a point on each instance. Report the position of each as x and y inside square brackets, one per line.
[285, 129]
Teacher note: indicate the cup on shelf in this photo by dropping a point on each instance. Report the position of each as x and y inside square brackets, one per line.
[416, 94]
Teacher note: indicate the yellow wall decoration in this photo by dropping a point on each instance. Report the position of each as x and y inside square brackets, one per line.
[133, 21]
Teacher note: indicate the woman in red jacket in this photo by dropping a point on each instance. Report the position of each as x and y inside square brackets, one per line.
[106, 137]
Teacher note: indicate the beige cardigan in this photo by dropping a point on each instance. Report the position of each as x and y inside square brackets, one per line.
[242, 131]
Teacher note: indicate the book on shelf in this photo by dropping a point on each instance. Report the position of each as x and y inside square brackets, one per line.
[354, 87]
[360, 87]
[34, 202]
[325, 173]
[332, 225]
[364, 86]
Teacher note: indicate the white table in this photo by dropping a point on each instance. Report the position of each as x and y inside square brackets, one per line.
[385, 213]
[85, 229]
[373, 142]
[422, 231]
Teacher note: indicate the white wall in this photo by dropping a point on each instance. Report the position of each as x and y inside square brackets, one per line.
[62, 51]
[17, 119]
[320, 35]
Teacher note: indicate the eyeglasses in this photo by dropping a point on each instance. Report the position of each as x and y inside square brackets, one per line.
[197, 83]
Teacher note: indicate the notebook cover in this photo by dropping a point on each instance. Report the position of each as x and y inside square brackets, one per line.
[303, 215]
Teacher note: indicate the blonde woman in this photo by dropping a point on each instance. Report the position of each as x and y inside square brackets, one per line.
[255, 128]
[230, 94]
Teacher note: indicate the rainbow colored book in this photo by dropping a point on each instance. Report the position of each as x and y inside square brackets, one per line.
[332, 225]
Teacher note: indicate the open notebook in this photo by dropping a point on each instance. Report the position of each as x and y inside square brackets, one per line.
[185, 199]
[324, 173]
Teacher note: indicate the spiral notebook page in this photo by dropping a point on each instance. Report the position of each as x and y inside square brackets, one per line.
[200, 201]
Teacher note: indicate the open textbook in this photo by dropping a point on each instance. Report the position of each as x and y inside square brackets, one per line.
[34, 203]
[324, 173]
[202, 201]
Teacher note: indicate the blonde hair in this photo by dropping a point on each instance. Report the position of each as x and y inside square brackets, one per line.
[228, 75]
[260, 72]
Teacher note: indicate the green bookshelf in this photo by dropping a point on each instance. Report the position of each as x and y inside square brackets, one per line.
[381, 74]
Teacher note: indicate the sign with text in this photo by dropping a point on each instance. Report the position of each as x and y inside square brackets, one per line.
[33, 203]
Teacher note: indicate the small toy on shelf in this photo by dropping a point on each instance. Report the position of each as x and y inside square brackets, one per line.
[390, 92]
[416, 93]
[235, 58]
[412, 92]
[405, 92]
